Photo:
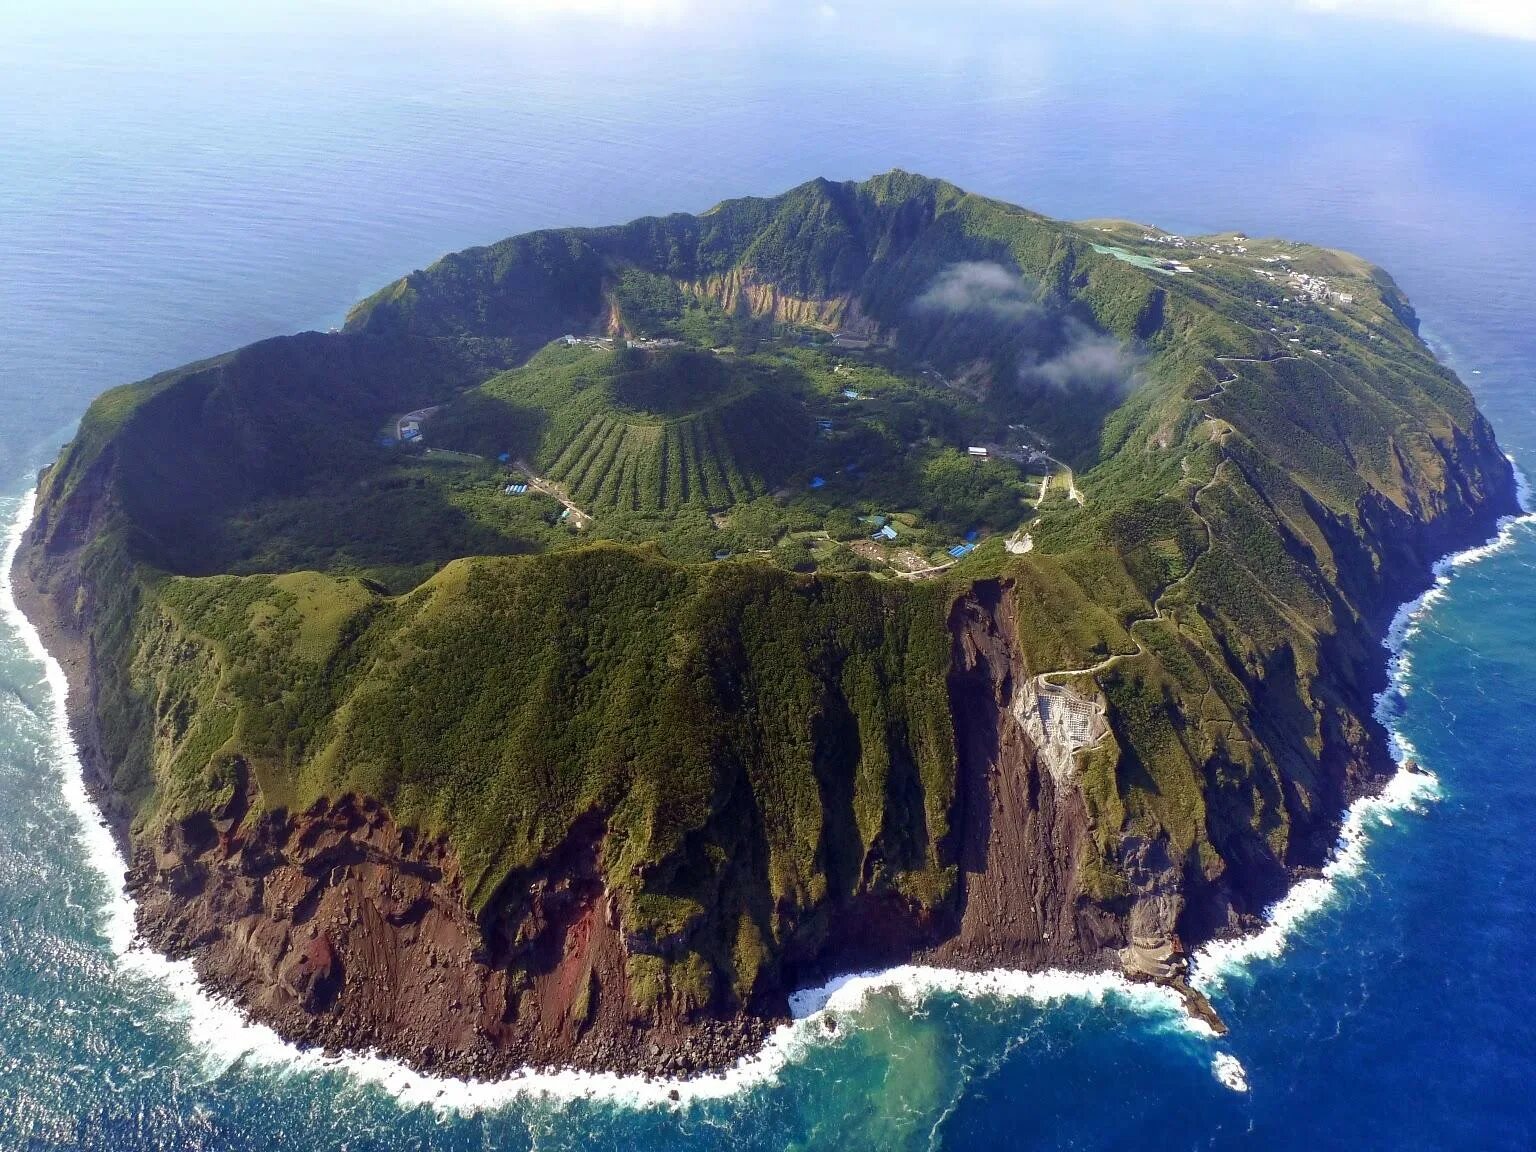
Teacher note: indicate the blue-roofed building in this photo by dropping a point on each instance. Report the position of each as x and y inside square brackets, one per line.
[876, 521]
[818, 482]
[886, 533]
[970, 537]
[504, 457]
[960, 550]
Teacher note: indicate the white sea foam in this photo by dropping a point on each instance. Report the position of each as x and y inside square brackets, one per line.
[1228, 1069]
[915, 983]
[1219, 959]
[218, 1029]
[1405, 791]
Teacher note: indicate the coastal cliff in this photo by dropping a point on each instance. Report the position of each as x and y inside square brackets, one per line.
[480, 796]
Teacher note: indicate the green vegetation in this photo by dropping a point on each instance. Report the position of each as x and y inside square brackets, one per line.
[710, 654]
[758, 743]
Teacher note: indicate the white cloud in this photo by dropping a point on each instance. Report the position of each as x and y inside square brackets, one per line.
[630, 13]
[1511, 19]
[1514, 19]
[1089, 360]
[979, 286]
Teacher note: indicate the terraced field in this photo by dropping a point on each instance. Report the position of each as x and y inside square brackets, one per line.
[737, 452]
[679, 431]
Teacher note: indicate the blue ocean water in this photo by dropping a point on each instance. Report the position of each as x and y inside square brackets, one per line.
[173, 183]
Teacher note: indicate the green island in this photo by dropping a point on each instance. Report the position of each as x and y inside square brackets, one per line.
[608, 631]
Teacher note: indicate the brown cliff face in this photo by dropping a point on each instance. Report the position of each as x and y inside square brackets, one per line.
[1019, 834]
[342, 929]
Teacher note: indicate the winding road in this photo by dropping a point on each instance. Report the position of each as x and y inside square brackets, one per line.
[1158, 611]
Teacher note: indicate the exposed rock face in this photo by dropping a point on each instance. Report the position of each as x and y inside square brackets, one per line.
[739, 290]
[340, 928]
[1058, 722]
[1020, 831]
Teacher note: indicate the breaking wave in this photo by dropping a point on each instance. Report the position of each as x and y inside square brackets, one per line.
[1228, 1069]
[1409, 788]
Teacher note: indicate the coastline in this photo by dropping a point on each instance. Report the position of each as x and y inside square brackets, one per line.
[224, 1033]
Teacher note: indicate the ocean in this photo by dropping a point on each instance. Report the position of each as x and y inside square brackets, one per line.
[174, 183]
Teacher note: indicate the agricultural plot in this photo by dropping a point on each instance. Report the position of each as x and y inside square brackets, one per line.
[669, 443]
[711, 436]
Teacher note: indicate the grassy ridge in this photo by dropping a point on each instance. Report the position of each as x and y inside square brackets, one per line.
[761, 745]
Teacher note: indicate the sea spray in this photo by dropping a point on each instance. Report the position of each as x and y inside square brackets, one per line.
[1406, 790]
[1229, 1071]
[917, 983]
[1218, 960]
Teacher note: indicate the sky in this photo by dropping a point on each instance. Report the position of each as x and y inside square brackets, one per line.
[1512, 19]
[546, 29]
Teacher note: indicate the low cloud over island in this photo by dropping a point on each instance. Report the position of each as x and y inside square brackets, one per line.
[1068, 354]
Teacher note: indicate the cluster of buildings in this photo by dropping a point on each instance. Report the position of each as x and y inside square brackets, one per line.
[408, 428]
[1318, 290]
[1308, 288]
[959, 551]
[884, 529]
[1021, 455]
[1215, 248]
[645, 343]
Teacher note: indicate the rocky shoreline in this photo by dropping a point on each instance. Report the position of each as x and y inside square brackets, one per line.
[185, 900]
[436, 992]
[72, 651]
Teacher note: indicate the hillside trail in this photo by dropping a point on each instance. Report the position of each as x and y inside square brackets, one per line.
[924, 573]
[1159, 613]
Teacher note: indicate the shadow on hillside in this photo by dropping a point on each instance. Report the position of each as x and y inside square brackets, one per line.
[398, 530]
[486, 425]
